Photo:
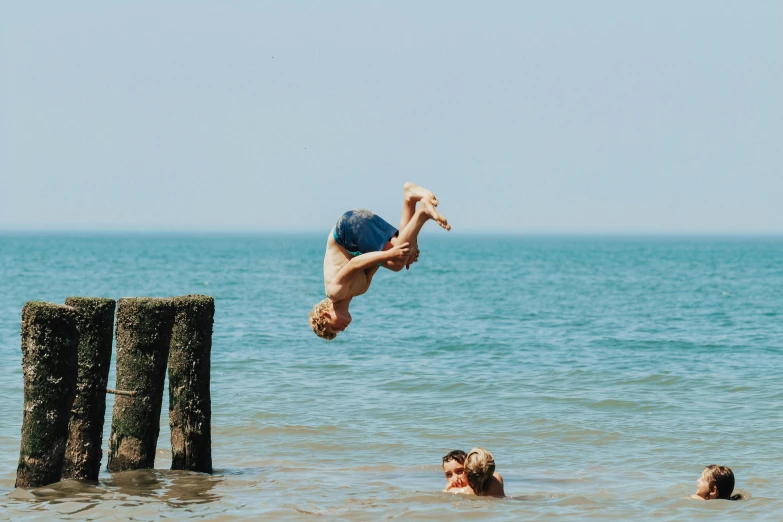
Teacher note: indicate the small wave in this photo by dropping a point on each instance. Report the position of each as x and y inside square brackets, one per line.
[615, 404]
[655, 378]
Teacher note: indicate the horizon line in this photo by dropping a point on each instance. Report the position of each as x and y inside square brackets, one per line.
[469, 232]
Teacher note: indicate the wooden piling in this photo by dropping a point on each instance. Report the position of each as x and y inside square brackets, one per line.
[143, 336]
[190, 406]
[49, 363]
[85, 430]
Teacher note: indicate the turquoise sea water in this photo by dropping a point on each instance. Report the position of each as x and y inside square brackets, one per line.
[603, 374]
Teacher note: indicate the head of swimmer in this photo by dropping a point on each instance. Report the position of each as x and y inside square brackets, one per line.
[716, 482]
[328, 319]
[454, 469]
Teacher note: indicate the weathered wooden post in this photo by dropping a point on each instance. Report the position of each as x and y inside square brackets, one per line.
[85, 430]
[190, 405]
[49, 353]
[143, 337]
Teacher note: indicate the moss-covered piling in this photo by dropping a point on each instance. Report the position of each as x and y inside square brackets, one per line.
[143, 337]
[190, 405]
[49, 363]
[85, 430]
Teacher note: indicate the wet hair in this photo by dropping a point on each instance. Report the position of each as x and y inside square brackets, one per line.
[457, 455]
[722, 478]
[319, 323]
[479, 467]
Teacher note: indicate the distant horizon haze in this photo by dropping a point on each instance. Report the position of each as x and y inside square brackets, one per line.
[604, 117]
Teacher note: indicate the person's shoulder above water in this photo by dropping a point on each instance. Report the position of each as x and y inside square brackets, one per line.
[481, 476]
[494, 486]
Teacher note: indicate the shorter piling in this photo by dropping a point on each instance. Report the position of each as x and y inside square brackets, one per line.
[143, 336]
[50, 339]
[190, 405]
[85, 430]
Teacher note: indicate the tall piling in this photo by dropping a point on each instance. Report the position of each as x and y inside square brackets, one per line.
[143, 336]
[190, 405]
[85, 430]
[50, 339]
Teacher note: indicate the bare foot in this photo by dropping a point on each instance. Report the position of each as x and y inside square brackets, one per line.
[413, 192]
[427, 207]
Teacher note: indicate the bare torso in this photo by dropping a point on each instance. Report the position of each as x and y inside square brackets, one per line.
[337, 257]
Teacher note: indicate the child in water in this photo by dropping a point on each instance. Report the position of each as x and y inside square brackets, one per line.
[716, 482]
[479, 473]
[454, 469]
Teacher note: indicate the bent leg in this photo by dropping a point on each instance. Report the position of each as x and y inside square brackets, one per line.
[412, 194]
[410, 233]
[423, 213]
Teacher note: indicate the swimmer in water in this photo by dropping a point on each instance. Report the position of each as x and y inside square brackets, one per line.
[454, 469]
[481, 476]
[716, 482]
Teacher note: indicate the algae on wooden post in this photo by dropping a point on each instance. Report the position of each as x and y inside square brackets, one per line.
[143, 337]
[190, 405]
[49, 354]
[85, 430]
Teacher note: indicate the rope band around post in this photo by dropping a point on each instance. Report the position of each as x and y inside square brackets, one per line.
[121, 392]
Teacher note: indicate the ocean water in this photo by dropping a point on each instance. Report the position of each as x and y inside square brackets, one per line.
[602, 373]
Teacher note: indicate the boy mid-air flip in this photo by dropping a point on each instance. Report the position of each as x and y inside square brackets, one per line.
[359, 244]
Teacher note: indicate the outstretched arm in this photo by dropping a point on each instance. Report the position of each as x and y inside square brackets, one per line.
[342, 280]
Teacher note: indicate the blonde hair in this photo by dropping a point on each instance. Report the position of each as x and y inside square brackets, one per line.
[721, 477]
[479, 467]
[319, 323]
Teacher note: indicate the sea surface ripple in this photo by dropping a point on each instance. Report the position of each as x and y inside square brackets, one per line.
[603, 373]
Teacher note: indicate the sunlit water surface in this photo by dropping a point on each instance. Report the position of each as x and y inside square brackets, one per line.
[603, 374]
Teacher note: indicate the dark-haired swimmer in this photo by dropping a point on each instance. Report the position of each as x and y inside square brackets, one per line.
[454, 469]
[359, 244]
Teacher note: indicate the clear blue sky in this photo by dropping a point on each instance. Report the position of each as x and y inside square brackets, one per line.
[580, 117]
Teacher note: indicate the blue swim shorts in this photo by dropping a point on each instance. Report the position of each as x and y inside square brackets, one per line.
[360, 231]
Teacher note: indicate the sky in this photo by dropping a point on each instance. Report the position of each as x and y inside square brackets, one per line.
[578, 117]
